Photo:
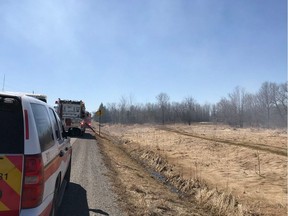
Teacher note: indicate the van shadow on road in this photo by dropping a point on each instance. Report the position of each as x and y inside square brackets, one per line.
[74, 202]
[86, 135]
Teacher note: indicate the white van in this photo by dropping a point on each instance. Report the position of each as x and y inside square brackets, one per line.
[35, 157]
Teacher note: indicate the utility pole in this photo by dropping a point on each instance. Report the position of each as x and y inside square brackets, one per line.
[3, 83]
[99, 123]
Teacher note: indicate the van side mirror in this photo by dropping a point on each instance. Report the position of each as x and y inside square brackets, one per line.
[65, 134]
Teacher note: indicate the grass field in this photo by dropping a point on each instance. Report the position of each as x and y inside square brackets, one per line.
[223, 167]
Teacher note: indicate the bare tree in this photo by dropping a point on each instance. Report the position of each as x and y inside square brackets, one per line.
[123, 108]
[237, 99]
[214, 116]
[279, 99]
[113, 113]
[282, 96]
[267, 107]
[265, 97]
[189, 110]
[225, 111]
[252, 111]
[176, 112]
[163, 101]
[205, 112]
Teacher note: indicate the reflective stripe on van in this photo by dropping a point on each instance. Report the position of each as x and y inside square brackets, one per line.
[11, 169]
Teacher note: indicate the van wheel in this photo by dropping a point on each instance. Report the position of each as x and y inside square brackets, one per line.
[54, 209]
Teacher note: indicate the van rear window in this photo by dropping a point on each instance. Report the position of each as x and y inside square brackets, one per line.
[11, 125]
[44, 127]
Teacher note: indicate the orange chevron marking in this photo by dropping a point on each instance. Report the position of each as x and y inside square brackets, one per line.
[3, 207]
[10, 184]
[10, 174]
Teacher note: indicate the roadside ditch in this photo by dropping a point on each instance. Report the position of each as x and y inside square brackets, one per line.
[190, 192]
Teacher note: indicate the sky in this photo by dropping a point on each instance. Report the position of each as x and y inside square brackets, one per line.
[101, 51]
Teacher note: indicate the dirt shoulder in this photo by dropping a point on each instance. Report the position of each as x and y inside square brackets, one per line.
[217, 177]
[140, 193]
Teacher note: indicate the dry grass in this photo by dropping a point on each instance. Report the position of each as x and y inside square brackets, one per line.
[139, 194]
[218, 203]
[223, 176]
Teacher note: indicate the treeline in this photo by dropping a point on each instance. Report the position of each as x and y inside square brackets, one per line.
[266, 108]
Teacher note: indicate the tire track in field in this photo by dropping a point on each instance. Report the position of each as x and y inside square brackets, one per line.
[262, 147]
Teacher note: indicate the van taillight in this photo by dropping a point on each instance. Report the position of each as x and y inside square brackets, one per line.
[33, 185]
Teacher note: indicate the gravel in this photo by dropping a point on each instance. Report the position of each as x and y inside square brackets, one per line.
[90, 191]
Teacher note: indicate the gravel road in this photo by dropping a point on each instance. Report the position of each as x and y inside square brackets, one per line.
[90, 190]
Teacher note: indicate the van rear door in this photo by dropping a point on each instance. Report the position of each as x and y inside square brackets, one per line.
[11, 154]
